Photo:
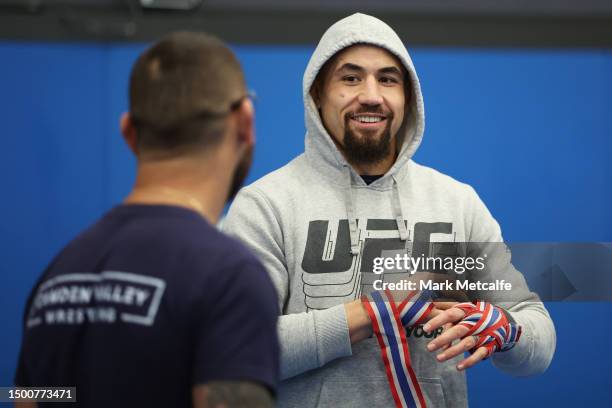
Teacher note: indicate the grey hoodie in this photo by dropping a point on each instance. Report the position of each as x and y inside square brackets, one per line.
[315, 224]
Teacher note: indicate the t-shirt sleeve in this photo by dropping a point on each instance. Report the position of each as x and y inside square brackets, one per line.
[236, 334]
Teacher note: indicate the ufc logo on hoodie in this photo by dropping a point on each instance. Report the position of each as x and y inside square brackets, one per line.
[331, 273]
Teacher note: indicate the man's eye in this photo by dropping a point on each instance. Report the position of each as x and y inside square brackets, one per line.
[388, 80]
[350, 78]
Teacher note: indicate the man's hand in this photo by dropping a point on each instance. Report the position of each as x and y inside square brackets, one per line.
[360, 325]
[449, 318]
[440, 308]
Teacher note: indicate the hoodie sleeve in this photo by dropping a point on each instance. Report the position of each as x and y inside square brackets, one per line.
[307, 340]
[534, 351]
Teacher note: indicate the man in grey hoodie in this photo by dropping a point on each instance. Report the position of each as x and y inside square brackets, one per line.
[355, 194]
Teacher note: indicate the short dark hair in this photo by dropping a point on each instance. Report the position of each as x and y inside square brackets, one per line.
[180, 90]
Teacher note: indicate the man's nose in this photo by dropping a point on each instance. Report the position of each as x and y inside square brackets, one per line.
[370, 93]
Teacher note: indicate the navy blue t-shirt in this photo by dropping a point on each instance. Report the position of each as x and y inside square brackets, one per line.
[145, 304]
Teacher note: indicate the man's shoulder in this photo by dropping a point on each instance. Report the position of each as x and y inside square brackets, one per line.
[214, 247]
[431, 178]
[232, 265]
[282, 179]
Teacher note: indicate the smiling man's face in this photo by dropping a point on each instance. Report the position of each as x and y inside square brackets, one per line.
[361, 99]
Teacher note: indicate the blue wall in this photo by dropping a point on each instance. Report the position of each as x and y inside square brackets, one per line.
[530, 130]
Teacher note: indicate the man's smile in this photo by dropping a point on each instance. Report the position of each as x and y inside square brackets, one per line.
[368, 120]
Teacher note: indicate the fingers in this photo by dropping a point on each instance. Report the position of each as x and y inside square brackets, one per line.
[445, 315]
[434, 312]
[451, 315]
[475, 358]
[444, 328]
[464, 345]
[440, 307]
[444, 305]
[447, 337]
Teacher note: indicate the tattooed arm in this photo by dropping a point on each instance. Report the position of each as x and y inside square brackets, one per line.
[232, 394]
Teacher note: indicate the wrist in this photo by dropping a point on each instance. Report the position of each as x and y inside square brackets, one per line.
[358, 321]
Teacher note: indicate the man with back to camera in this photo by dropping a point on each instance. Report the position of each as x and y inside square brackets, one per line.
[355, 194]
[152, 305]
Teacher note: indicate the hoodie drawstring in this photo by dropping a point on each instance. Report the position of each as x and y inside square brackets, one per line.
[398, 211]
[352, 221]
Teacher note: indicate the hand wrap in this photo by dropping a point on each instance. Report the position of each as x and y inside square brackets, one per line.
[389, 320]
[490, 326]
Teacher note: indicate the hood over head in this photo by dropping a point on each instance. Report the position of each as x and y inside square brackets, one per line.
[361, 29]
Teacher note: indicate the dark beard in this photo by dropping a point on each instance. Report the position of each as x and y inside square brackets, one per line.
[366, 150]
[240, 174]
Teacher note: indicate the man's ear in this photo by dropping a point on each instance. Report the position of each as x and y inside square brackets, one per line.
[128, 130]
[246, 123]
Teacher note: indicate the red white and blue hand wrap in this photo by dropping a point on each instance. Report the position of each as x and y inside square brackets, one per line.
[388, 321]
[490, 326]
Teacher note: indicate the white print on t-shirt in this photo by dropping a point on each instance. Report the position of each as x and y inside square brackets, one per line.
[103, 297]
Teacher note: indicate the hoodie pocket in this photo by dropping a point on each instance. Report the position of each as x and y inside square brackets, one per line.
[433, 392]
[373, 393]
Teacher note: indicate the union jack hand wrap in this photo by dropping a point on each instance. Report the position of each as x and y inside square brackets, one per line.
[388, 321]
[490, 326]
[415, 307]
